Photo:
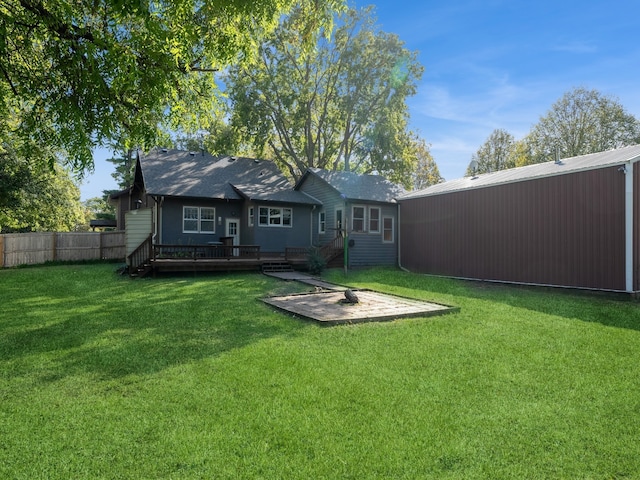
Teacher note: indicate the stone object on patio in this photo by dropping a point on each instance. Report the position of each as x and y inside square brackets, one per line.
[350, 297]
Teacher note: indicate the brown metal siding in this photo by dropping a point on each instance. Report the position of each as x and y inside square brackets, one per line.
[566, 230]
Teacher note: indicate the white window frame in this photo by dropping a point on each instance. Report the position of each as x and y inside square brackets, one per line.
[363, 218]
[378, 219]
[275, 217]
[322, 222]
[250, 217]
[339, 224]
[393, 229]
[199, 219]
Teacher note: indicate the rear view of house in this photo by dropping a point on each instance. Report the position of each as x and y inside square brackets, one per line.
[181, 199]
[199, 199]
[571, 223]
[193, 198]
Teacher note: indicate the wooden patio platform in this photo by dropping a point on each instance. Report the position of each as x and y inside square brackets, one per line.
[326, 307]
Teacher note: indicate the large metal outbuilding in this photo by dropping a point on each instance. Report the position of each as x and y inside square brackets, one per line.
[570, 223]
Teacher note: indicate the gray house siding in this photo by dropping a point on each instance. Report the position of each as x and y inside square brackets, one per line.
[171, 226]
[331, 201]
[275, 238]
[368, 248]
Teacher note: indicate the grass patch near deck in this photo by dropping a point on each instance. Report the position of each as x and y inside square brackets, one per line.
[193, 377]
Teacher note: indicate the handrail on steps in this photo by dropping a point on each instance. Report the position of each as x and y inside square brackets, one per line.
[141, 255]
[332, 249]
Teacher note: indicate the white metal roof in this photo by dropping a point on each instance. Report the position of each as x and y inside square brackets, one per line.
[548, 169]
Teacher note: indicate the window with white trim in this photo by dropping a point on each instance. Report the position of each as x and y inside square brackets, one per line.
[339, 220]
[198, 220]
[358, 218]
[275, 217]
[374, 220]
[388, 233]
[250, 218]
[322, 222]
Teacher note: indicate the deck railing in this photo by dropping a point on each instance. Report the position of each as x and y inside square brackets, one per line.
[204, 252]
[141, 255]
[332, 249]
[296, 253]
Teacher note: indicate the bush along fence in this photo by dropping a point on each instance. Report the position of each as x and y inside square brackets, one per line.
[36, 248]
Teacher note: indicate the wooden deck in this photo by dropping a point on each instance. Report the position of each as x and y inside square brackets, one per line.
[222, 264]
[153, 258]
[212, 258]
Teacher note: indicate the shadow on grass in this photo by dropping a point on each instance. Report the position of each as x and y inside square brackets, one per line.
[114, 327]
[610, 309]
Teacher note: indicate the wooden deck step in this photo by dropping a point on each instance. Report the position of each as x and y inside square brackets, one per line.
[268, 267]
[141, 271]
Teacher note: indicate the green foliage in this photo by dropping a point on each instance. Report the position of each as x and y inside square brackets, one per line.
[340, 105]
[37, 197]
[85, 73]
[100, 208]
[316, 263]
[426, 170]
[581, 122]
[205, 381]
[495, 154]
[124, 162]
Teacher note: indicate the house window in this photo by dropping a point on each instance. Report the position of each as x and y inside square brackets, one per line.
[322, 222]
[374, 220]
[275, 217]
[357, 214]
[339, 220]
[207, 220]
[198, 220]
[387, 230]
[250, 217]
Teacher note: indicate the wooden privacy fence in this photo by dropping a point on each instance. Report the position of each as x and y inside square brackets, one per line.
[34, 248]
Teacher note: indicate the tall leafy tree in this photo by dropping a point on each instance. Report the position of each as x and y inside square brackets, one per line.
[83, 73]
[341, 105]
[496, 153]
[582, 121]
[521, 153]
[426, 171]
[46, 200]
[99, 208]
[124, 165]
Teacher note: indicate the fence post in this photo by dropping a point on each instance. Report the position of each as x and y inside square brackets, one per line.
[54, 246]
[100, 245]
[1, 251]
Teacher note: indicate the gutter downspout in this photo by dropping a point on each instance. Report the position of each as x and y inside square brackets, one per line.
[399, 242]
[311, 222]
[628, 226]
[157, 227]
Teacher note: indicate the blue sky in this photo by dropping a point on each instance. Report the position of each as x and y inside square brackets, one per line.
[497, 64]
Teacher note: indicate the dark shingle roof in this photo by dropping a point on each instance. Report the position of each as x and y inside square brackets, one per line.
[354, 186]
[198, 174]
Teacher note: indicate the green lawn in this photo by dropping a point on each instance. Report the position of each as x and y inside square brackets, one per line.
[193, 377]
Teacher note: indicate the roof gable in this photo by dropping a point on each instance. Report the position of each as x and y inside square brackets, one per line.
[565, 166]
[355, 186]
